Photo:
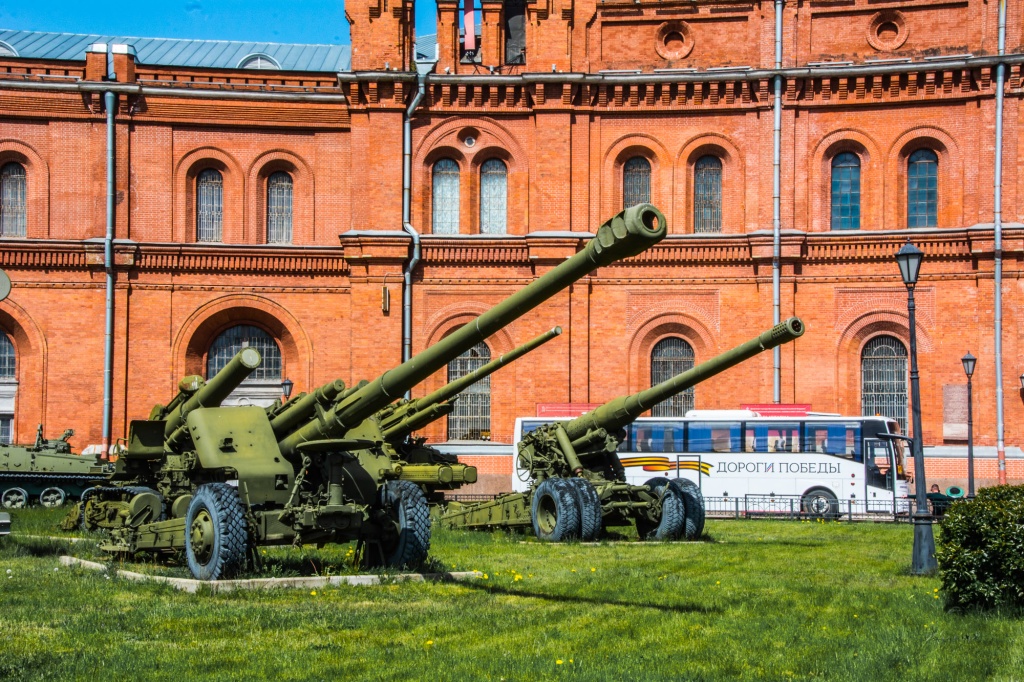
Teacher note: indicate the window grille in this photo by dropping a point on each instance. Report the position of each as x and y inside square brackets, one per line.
[279, 208]
[923, 189]
[707, 194]
[227, 345]
[670, 357]
[846, 192]
[446, 197]
[12, 200]
[636, 182]
[883, 367]
[493, 197]
[471, 419]
[7, 357]
[209, 206]
[5, 428]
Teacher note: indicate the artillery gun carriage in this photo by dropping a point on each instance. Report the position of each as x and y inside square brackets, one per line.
[334, 465]
[578, 483]
[46, 471]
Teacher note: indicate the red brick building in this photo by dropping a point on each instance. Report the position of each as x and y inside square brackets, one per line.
[261, 187]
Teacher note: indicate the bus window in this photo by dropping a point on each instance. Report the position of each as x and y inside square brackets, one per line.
[841, 439]
[531, 426]
[879, 464]
[772, 437]
[658, 437]
[714, 437]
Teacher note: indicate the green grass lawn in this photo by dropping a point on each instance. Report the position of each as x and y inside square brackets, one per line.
[758, 600]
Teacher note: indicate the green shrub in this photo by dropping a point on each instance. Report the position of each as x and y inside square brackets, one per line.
[981, 552]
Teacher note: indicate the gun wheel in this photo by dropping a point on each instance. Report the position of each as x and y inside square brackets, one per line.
[693, 500]
[407, 543]
[672, 523]
[556, 516]
[218, 536]
[589, 504]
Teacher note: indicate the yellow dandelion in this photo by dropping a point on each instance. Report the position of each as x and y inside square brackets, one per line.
[430, 642]
[313, 593]
[570, 660]
[574, 570]
[718, 582]
[592, 569]
[855, 615]
[936, 596]
[558, 661]
[936, 589]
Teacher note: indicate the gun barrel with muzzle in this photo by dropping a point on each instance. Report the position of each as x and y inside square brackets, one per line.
[627, 234]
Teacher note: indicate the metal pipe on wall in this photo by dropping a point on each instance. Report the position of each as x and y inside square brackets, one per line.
[110, 104]
[998, 247]
[777, 205]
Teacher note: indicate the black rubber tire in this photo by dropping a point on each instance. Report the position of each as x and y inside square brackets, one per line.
[589, 505]
[216, 509]
[820, 503]
[672, 523]
[694, 502]
[555, 516]
[409, 510]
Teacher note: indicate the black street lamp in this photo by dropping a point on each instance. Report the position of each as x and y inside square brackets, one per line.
[969, 361]
[909, 259]
[286, 388]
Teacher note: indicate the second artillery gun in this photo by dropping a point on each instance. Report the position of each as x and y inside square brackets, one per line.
[578, 483]
[216, 481]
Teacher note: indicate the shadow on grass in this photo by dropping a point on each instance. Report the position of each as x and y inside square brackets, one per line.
[593, 601]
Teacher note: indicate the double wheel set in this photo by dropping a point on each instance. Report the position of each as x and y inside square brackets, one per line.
[571, 508]
[17, 498]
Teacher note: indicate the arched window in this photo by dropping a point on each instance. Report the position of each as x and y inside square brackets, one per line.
[846, 192]
[445, 198]
[209, 206]
[493, 196]
[471, 419]
[8, 387]
[707, 194]
[670, 357]
[232, 340]
[636, 182]
[279, 208]
[883, 371]
[12, 200]
[923, 189]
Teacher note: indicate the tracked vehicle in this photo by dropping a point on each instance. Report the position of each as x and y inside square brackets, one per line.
[578, 484]
[46, 472]
[216, 481]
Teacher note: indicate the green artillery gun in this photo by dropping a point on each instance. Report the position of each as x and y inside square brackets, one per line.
[46, 471]
[399, 420]
[579, 485]
[216, 481]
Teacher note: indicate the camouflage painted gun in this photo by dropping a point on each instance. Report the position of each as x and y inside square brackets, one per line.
[215, 481]
[578, 482]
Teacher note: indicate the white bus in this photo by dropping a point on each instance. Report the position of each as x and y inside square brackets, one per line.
[825, 465]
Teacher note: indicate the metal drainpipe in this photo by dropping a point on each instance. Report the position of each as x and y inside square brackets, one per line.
[777, 205]
[998, 210]
[421, 81]
[110, 104]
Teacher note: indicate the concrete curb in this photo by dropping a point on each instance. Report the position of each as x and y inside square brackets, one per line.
[313, 582]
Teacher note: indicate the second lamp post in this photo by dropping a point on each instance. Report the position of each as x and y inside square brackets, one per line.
[969, 361]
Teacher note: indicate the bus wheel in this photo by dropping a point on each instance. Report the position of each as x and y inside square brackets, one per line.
[820, 503]
[695, 512]
[555, 514]
[672, 523]
[589, 505]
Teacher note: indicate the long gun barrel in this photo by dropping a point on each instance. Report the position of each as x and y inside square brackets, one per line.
[214, 391]
[417, 413]
[623, 410]
[627, 234]
[289, 416]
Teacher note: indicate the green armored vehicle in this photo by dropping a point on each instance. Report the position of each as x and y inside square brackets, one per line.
[578, 484]
[216, 481]
[46, 472]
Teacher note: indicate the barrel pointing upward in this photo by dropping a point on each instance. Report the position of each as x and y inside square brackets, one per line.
[627, 234]
[217, 388]
[623, 410]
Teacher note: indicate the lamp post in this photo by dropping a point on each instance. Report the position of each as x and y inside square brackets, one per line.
[286, 389]
[969, 361]
[909, 259]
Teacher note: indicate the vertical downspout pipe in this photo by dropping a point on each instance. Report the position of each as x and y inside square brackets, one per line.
[777, 205]
[421, 80]
[998, 219]
[110, 105]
